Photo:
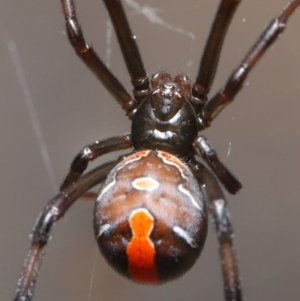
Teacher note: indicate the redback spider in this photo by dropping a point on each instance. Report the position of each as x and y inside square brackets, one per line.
[166, 121]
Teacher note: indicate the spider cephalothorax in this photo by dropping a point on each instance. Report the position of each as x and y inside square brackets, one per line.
[166, 120]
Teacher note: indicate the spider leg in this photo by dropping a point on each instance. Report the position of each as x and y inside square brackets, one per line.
[217, 206]
[210, 58]
[89, 196]
[203, 148]
[235, 82]
[91, 59]
[90, 153]
[129, 47]
[51, 213]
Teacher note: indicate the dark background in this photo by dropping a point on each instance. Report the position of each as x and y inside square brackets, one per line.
[261, 129]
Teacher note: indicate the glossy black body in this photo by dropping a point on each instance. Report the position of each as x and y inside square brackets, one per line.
[166, 120]
[166, 116]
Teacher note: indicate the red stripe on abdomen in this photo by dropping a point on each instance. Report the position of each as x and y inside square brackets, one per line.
[140, 250]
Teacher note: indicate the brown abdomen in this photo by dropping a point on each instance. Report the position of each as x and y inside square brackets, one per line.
[150, 218]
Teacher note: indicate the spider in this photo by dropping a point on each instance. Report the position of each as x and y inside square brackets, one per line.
[150, 216]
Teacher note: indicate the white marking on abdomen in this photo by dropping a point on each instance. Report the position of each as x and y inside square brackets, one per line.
[106, 188]
[184, 235]
[103, 229]
[188, 194]
[176, 164]
[145, 183]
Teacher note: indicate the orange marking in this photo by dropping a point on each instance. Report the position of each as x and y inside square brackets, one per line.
[140, 250]
[171, 159]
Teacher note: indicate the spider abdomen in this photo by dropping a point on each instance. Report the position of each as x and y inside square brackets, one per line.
[150, 218]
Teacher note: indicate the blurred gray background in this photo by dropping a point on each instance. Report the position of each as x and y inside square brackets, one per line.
[257, 137]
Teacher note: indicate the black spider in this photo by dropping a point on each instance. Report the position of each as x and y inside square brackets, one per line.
[145, 242]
